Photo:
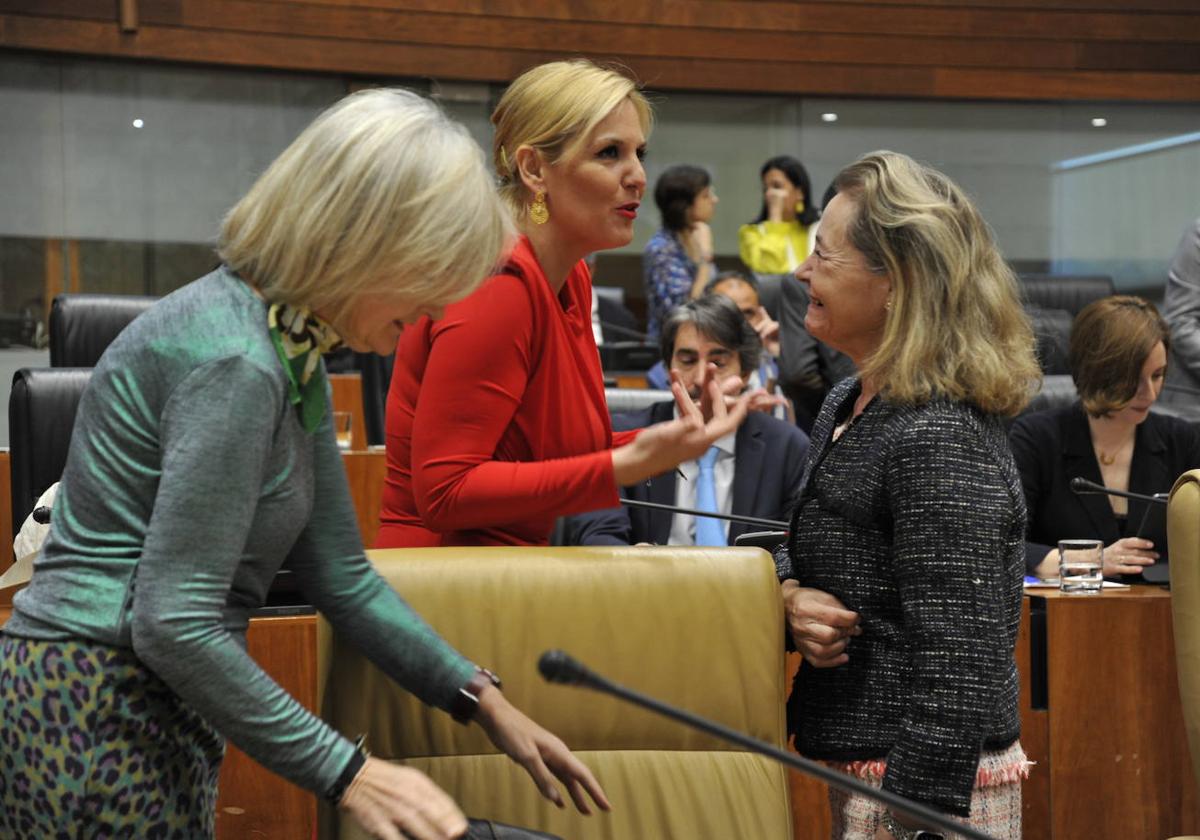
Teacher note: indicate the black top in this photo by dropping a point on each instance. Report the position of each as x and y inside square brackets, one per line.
[915, 519]
[1052, 447]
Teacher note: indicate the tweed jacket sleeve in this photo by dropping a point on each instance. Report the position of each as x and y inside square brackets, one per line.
[958, 532]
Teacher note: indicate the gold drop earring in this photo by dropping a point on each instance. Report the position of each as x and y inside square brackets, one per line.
[539, 213]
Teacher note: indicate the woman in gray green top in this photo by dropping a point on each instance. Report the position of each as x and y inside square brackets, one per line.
[202, 456]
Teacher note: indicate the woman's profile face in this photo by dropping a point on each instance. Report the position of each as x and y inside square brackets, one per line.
[1150, 384]
[704, 205]
[593, 196]
[847, 301]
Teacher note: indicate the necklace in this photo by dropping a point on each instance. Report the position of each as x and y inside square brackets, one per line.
[1106, 459]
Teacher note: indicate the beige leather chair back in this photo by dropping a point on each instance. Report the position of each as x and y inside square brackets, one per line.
[699, 628]
[1183, 535]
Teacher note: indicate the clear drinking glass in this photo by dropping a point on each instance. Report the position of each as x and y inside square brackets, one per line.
[342, 428]
[1080, 567]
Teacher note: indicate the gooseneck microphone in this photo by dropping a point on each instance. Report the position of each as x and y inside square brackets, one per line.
[774, 524]
[557, 666]
[1082, 487]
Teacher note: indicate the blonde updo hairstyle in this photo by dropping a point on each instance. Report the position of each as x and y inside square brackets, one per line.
[381, 193]
[956, 327]
[1110, 341]
[553, 108]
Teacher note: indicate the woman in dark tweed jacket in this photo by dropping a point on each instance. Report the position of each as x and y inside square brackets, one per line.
[902, 580]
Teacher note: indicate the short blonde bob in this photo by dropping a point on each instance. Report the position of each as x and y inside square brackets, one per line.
[1110, 340]
[553, 108]
[956, 327]
[381, 193]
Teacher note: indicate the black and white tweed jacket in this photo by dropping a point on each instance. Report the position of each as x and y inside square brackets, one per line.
[914, 518]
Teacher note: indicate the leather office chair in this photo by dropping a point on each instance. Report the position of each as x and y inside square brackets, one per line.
[699, 628]
[1183, 534]
[1057, 391]
[82, 326]
[1052, 332]
[41, 415]
[1069, 292]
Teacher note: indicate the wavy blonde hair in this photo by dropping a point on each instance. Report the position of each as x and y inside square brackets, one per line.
[381, 193]
[956, 327]
[552, 108]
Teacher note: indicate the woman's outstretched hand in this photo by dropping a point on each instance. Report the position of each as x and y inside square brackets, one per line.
[665, 446]
[392, 802]
[543, 755]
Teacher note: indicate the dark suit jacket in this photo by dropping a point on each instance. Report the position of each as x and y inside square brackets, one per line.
[1052, 447]
[768, 464]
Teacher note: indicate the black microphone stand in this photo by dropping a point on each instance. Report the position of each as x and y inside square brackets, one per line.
[557, 666]
[1082, 487]
[774, 524]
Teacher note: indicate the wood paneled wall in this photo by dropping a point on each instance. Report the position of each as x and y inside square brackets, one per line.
[985, 49]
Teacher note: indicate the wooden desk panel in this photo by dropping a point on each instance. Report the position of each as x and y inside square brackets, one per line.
[366, 471]
[1116, 758]
[1035, 792]
[254, 802]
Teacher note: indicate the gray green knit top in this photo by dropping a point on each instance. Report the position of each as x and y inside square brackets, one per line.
[188, 482]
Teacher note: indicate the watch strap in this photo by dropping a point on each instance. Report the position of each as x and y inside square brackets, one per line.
[901, 833]
[353, 767]
[466, 701]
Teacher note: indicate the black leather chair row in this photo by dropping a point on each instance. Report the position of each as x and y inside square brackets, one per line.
[83, 325]
[41, 416]
[1068, 292]
[1053, 301]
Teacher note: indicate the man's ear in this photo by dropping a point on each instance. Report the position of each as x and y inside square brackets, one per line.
[530, 168]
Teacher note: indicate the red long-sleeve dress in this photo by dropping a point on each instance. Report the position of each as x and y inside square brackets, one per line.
[496, 417]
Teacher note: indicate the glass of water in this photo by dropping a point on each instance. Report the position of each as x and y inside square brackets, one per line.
[1080, 567]
[343, 427]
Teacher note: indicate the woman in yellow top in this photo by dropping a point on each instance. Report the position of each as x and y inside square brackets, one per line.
[778, 240]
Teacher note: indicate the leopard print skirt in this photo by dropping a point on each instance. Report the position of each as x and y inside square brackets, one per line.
[94, 745]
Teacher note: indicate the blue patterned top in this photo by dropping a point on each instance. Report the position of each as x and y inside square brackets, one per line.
[668, 273]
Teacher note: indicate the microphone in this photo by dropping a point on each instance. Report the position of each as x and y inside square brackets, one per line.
[774, 524]
[1081, 486]
[558, 666]
[41, 515]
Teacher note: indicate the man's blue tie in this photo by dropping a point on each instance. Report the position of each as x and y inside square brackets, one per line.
[709, 531]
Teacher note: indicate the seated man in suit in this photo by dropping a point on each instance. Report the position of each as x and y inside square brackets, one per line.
[752, 472]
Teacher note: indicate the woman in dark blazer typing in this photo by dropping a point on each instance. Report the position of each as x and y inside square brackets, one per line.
[1118, 357]
[902, 580]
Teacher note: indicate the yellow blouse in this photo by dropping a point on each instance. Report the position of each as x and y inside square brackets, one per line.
[773, 247]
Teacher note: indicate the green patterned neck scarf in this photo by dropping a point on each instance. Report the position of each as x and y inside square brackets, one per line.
[300, 337]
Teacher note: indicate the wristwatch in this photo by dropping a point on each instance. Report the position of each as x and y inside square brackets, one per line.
[901, 833]
[352, 768]
[466, 703]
